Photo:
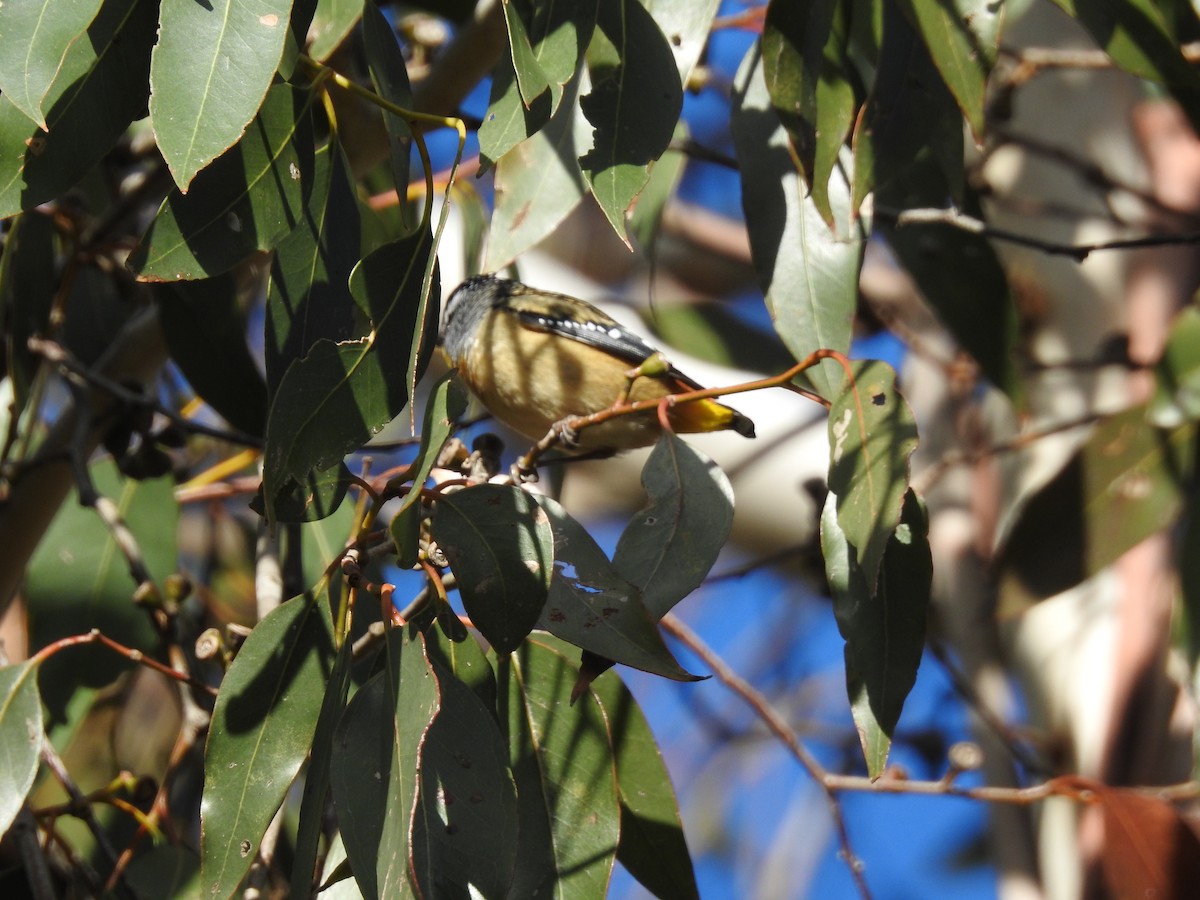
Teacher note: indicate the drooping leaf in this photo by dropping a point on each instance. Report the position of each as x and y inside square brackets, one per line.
[1135, 36]
[501, 550]
[547, 41]
[884, 627]
[464, 837]
[567, 802]
[206, 335]
[538, 183]
[37, 39]
[209, 72]
[309, 294]
[21, 737]
[1125, 484]
[669, 546]
[809, 273]
[806, 73]
[508, 121]
[376, 766]
[962, 37]
[467, 662]
[686, 26]
[652, 846]
[247, 201]
[633, 125]
[100, 88]
[591, 605]
[871, 436]
[446, 404]
[332, 22]
[262, 729]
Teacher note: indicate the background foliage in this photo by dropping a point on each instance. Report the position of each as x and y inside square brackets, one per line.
[222, 271]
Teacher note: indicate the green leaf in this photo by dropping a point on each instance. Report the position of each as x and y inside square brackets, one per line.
[1125, 484]
[309, 295]
[669, 546]
[809, 273]
[445, 406]
[389, 75]
[464, 838]
[1137, 38]
[710, 331]
[592, 606]
[962, 37]
[209, 72]
[262, 729]
[318, 775]
[38, 37]
[317, 497]
[467, 662]
[376, 766]
[246, 202]
[538, 183]
[805, 69]
[100, 88]
[21, 737]
[332, 23]
[78, 579]
[652, 846]
[646, 219]
[567, 803]
[871, 436]
[206, 335]
[884, 628]
[508, 121]
[547, 41]
[1177, 391]
[500, 547]
[28, 282]
[166, 871]
[685, 24]
[633, 125]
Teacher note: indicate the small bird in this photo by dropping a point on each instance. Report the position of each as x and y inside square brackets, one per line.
[535, 358]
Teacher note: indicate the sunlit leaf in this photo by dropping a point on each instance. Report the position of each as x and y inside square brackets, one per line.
[809, 273]
[209, 72]
[884, 626]
[501, 550]
[37, 38]
[247, 201]
[686, 25]
[547, 41]
[261, 732]
[871, 436]
[21, 737]
[633, 126]
[669, 546]
[100, 88]
[508, 120]
[332, 22]
[568, 810]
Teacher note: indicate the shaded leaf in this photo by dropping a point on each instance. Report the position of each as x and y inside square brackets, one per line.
[389, 75]
[809, 273]
[1177, 387]
[375, 771]
[206, 336]
[209, 72]
[671, 543]
[309, 294]
[592, 606]
[21, 737]
[332, 22]
[318, 496]
[567, 803]
[871, 436]
[508, 120]
[652, 846]
[710, 331]
[634, 103]
[28, 282]
[37, 38]
[685, 24]
[100, 88]
[884, 627]
[1149, 848]
[262, 729]
[446, 404]
[464, 838]
[1123, 485]
[467, 662]
[538, 183]
[962, 37]
[501, 550]
[247, 201]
